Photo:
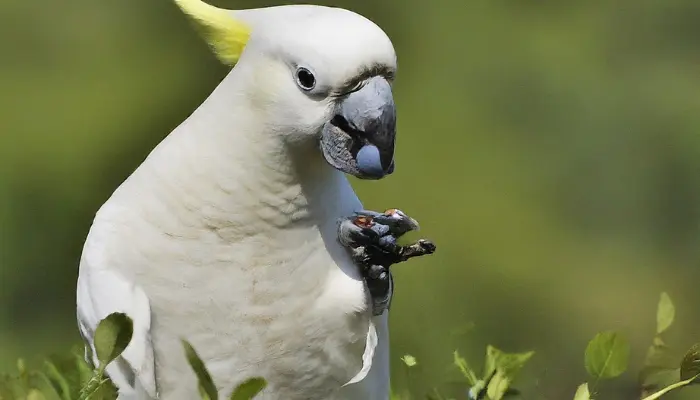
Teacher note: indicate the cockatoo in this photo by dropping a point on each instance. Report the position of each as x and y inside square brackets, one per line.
[240, 232]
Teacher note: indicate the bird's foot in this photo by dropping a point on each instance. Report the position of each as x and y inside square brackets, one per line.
[371, 238]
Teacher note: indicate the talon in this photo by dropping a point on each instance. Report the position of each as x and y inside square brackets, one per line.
[377, 272]
[380, 289]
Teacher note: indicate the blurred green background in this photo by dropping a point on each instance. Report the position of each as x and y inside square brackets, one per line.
[550, 148]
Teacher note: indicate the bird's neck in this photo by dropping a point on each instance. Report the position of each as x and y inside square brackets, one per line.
[231, 171]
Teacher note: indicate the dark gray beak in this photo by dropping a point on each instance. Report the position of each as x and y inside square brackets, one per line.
[360, 138]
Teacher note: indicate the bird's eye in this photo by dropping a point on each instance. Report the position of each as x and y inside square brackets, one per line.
[305, 79]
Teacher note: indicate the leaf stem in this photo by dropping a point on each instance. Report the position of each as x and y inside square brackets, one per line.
[668, 388]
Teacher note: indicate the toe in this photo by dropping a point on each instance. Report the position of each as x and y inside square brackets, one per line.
[353, 234]
[428, 246]
[363, 221]
[399, 222]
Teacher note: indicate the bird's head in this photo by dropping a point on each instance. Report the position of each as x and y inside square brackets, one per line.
[313, 74]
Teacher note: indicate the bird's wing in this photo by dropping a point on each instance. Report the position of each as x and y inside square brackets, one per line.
[101, 292]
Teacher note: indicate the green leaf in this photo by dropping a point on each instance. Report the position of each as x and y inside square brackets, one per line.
[35, 394]
[498, 385]
[92, 388]
[69, 375]
[665, 313]
[14, 388]
[652, 379]
[5, 392]
[249, 389]
[93, 385]
[83, 369]
[207, 389]
[582, 393]
[39, 381]
[59, 382]
[409, 360]
[658, 355]
[659, 365]
[510, 363]
[500, 370]
[658, 375]
[690, 365]
[607, 355]
[22, 368]
[112, 336]
[463, 366]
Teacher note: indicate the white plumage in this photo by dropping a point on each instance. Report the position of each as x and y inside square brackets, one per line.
[226, 234]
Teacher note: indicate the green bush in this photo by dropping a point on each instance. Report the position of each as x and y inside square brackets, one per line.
[606, 357]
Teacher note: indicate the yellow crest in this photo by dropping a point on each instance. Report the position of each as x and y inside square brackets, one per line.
[226, 35]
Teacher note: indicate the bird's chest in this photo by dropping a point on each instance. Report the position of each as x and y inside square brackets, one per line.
[293, 310]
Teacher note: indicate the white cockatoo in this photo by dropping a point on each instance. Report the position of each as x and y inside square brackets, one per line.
[227, 234]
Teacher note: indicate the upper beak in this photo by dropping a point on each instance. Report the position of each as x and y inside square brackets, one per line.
[368, 116]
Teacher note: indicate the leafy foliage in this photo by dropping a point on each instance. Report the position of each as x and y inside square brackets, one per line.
[690, 366]
[499, 371]
[207, 389]
[60, 378]
[607, 354]
[112, 336]
[606, 357]
[665, 313]
[249, 389]
[409, 360]
[582, 393]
